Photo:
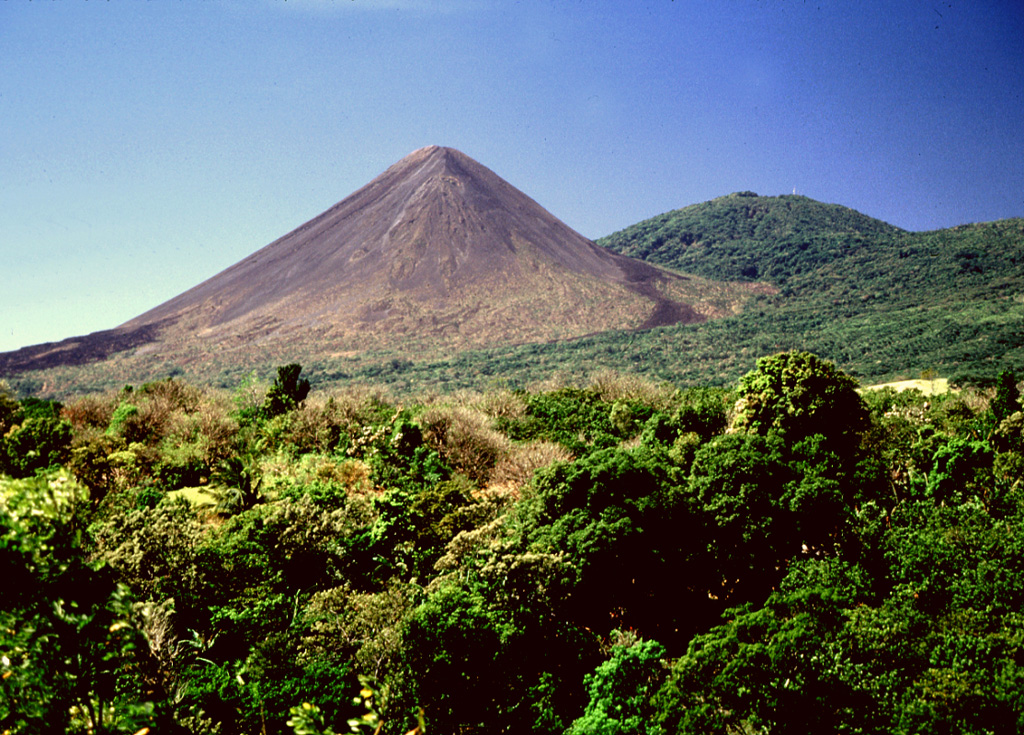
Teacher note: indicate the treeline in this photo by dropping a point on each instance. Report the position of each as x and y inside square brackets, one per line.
[621, 556]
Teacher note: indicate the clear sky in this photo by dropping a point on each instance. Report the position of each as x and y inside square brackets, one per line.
[145, 146]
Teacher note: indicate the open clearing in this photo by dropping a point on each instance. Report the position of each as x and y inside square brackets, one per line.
[928, 387]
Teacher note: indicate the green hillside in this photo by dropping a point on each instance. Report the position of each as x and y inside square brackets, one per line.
[881, 301]
[748, 237]
[806, 247]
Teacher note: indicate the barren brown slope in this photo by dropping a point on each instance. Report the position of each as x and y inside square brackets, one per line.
[436, 253]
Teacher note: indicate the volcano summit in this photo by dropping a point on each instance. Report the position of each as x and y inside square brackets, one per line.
[438, 253]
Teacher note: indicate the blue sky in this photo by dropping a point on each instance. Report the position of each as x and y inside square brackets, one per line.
[145, 146]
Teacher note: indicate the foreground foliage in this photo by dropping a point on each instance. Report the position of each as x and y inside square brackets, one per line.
[616, 557]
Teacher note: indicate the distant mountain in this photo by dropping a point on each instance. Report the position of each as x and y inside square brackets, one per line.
[744, 236]
[438, 245]
[435, 255]
[880, 301]
[439, 273]
[809, 249]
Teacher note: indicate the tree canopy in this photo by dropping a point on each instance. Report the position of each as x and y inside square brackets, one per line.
[785, 556]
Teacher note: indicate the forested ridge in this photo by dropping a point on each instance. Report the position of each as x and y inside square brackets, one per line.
[784, 554]
[879, 301]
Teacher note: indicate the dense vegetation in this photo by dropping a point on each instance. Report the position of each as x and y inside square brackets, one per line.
[621, 556]
[877, 300]
[744, 236]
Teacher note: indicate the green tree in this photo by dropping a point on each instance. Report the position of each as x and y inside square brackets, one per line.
[37, 443]
[773, 668]
[797, 395]
[1007, 398]
[738, 486]
[961, 469]
[239, 481]
[287, 392]
[10, 409]
[621, 690]
[622, 525]
[475, 657]
[577, 419]
[71, 657]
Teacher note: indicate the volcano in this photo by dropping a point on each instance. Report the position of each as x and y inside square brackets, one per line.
[436, 254]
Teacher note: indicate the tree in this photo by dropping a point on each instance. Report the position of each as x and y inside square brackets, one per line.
[797, 395]
[37, 443]
[961, 468]
[10, 409]
[287, 393]
[738, 488]
[621, 523]
[476, 659]
[239, 479]
[1007, 397]
[773, 668]
[620, 690]
[72, 658]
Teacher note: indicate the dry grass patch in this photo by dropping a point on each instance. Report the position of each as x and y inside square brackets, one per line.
[464, 439]
[517, 465]
[611, 386]
[935, 387]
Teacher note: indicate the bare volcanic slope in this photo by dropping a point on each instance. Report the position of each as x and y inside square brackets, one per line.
[436, 253]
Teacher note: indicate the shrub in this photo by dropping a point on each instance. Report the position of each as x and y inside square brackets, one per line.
[38, 443]
[610, 387]
[519, 462]
[797, 395]
[621, 690]
[94, 411]
[464, 439]
[91, 465]
[120, 417]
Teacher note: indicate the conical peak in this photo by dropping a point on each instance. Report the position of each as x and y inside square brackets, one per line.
[435, 159]
[434, 231]
[429, 151]
[437, 251]
[432, 153]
